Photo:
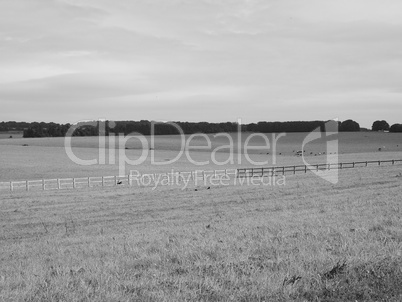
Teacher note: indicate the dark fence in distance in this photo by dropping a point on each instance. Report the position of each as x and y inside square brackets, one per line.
[271, 171]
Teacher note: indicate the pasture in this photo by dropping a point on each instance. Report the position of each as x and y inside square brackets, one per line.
[307, 241]
[37, 158]
[304, 240]
[10, 134]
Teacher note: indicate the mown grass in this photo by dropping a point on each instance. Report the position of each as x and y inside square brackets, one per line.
[10, 134]
[37, 158]
[307, 241]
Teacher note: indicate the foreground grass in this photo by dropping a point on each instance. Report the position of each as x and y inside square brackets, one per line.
[307, 241]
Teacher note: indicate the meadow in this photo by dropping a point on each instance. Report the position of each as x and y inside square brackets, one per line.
[303, 240]
[10, 134]
[306, 241]
[38, 158]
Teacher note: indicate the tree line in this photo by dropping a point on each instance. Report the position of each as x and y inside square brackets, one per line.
[384, 126]
[11, 126]
[143, 127]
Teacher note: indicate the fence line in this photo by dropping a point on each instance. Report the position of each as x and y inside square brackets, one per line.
[176, 177]
[271, 171]
[109, 181]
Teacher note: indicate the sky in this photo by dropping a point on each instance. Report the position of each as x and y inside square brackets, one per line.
[201, 60]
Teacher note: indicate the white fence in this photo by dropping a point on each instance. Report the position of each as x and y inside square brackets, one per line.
[107, 181]
[178, 178]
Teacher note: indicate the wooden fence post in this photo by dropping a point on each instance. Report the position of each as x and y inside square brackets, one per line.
[89, 182]
[305, 168]
[11, 186]
[103, 181]
[43, 185]
[58, 184]
[27, 185]
[294, 169]
[73, 183]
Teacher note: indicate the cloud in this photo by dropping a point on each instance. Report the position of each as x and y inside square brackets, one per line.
[196, 59]
[74, 88]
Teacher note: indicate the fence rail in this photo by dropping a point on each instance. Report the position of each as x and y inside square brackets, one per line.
[271, 171]
[177, 177]
[109, 181]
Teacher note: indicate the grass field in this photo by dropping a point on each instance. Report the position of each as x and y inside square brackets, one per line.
[349, 142]
[47, 158]
[303, 240]
[10, 134]
[306, 241]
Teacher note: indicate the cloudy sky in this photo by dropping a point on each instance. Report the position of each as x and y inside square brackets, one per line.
[201, 60]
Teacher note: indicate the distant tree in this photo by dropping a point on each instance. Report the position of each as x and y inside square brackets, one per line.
[45, 130]
[396, 128]
[253, 127]
[349, 125]
[12, 125]
[35, 130]
[294, 126]
[380, 126]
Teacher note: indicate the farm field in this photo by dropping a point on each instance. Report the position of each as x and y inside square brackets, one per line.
[349, 142]
[306, 241]
[47, 158]
[302, 239]
[13, 134]
[149, 151]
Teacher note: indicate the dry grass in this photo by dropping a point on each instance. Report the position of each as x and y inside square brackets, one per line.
[13, 134]
[307, 241]
[46, 158]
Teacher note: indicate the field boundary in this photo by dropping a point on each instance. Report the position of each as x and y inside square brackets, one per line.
[178, 177]
[110, 181]
[271, 171]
